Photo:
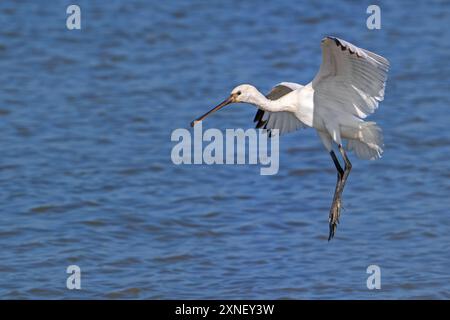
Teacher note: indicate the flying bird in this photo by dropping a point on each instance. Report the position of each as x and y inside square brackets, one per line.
[348, 87]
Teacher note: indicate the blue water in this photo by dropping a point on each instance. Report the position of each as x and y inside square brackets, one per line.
[86, 176]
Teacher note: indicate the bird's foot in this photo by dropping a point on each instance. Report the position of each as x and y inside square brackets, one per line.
[335, 213]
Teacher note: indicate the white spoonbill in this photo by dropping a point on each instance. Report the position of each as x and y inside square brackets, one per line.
[348, 87]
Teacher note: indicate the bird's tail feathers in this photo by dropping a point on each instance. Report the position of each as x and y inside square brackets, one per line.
[369, 146]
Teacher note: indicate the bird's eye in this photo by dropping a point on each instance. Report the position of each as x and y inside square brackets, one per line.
[238, 93]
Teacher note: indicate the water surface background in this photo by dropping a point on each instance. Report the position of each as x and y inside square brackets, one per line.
[86, 176]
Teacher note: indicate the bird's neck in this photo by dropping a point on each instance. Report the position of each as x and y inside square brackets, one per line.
[265, 104]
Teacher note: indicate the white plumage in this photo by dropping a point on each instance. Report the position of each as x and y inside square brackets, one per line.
[348, 87]
[283, 121]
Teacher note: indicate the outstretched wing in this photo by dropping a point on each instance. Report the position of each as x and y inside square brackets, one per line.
[283, 121]
[350, 79]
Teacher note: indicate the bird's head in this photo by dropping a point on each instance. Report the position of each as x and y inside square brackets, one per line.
[243, 93]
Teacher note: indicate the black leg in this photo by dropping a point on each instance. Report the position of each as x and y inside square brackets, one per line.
[337, 164]
[348, 165]
[336, 206]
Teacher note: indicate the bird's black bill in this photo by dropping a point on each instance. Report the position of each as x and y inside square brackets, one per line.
[220, 106]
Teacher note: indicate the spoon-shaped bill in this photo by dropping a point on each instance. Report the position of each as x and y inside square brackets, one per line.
[220, 106]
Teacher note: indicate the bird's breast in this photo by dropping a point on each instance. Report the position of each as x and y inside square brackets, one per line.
[304, 105]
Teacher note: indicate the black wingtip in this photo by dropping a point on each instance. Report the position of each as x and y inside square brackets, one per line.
[260, 124]
[258, 116]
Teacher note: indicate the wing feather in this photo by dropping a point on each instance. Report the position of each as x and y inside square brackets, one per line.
[350, 79]
[283, 121]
